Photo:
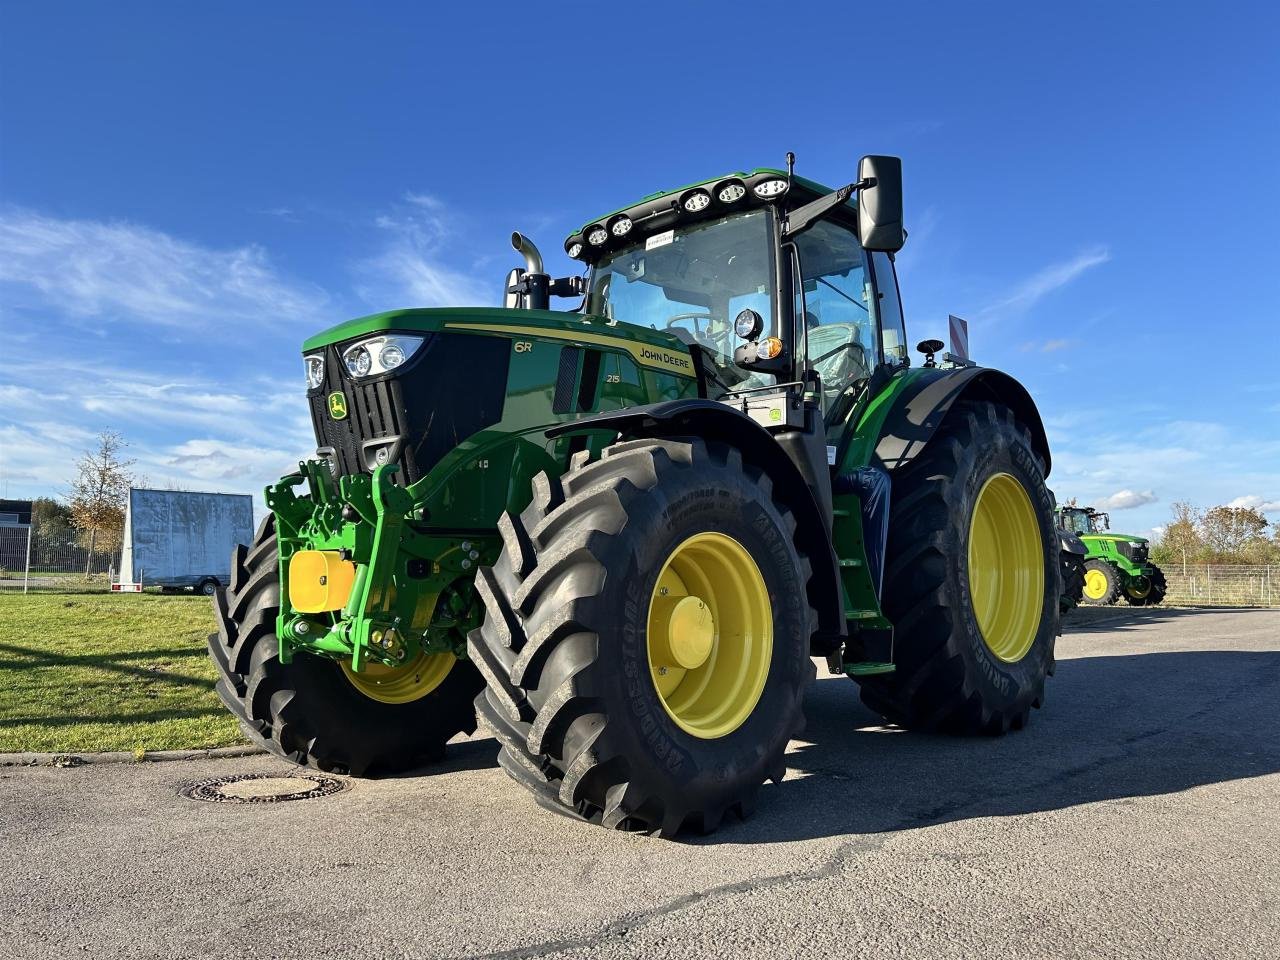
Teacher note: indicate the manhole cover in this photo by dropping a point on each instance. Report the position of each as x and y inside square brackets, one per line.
[260, 788]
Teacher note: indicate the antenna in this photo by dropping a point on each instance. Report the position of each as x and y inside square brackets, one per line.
[791, 167]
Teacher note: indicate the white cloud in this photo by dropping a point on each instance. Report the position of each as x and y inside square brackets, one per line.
[1041, 284]
[1126, 500]
[90, 268]
[1261, 504]
[410, 272]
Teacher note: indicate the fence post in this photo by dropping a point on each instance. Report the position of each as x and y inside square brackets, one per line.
[1208, 577]
[26, 567]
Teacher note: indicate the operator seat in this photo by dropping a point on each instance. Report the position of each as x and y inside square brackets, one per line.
[838, 355]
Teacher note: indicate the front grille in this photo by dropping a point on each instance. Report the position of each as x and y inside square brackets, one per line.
[452, 388]
[1133, 552]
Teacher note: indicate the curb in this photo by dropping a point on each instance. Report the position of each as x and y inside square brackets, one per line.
[122, 756]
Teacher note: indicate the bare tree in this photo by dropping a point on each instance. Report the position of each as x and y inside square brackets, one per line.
[100, 493]
[1181, 539]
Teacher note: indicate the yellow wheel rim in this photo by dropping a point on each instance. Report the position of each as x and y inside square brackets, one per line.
[1138, 588]
[1095, 584]
[405, 683]
[1006, 567]
[710, 635]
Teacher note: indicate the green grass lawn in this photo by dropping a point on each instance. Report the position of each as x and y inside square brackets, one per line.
[90, 672]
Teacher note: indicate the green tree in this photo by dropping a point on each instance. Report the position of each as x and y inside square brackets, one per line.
[99, 495]
[1231, 533]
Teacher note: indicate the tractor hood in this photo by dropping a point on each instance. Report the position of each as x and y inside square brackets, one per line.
[1113, 537]
[651, 348]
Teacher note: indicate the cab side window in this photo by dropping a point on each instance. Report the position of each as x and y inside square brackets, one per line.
[893, 330]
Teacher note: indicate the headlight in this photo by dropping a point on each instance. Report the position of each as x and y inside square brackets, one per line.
[379, 355]
[315, 370]
[770, 188]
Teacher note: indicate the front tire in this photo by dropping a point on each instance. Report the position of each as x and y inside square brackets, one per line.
[1148, 593]
[308, 711]
[624, 645]
[971, 580]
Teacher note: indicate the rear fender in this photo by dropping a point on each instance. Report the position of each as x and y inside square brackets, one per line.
[923, 404]
[720, 423]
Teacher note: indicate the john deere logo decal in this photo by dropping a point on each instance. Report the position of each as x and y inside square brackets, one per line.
[337, 406]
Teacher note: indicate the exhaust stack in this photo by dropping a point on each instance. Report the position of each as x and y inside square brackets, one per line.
[536, 284]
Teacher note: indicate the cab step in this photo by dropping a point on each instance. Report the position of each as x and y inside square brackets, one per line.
[868, 668]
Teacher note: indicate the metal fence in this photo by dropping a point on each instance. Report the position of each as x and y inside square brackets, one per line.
[29, 561]
[1222, 585]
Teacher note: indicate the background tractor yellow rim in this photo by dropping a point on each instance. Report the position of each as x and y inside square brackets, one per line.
[709, 635]
[1095, 584]
[1139, 588]
[1006, 567]
[410, 681]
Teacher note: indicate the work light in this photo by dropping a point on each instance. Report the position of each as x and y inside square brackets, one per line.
[379, 355]
[621, 226]
[574, 250]
[696, 200]
[597, 236]
[770, 188]
[315, 370]
[731, 192]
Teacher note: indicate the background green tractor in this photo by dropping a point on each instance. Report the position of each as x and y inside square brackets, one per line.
[630, 527]
[1117, 565]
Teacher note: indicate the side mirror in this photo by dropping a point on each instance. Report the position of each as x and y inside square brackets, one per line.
[510, 300]
[880, 206]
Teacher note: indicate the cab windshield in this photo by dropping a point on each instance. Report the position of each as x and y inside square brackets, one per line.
[693, 281]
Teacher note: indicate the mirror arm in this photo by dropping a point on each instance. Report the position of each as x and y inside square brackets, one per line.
[804, 217]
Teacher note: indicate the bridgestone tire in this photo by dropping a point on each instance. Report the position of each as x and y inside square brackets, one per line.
[1159, 587]
[307, 711]
[1072, 581]
[947, 678]
[1114, 584]
[564, 650]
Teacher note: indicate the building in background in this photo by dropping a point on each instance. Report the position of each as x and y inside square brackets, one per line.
[15, 513]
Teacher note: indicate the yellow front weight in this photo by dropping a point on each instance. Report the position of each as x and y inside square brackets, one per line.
[320, 580]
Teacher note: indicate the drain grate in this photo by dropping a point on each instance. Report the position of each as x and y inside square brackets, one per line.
[261, 788]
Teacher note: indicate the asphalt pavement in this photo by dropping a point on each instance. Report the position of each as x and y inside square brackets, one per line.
[1137, 816]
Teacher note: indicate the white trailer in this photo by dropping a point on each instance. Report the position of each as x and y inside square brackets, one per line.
[177, 539]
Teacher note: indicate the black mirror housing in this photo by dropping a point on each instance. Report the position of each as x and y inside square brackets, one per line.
[880, 205]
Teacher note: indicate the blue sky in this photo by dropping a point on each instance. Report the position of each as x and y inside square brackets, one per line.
[187, 192]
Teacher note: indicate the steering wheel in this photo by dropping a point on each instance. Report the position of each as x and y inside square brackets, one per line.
[703, 336]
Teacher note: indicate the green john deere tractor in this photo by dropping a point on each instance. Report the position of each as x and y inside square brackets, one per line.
[619, 533]
[1116, 565]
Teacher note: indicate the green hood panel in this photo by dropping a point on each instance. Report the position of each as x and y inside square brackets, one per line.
[550, 323]
[1111, 537]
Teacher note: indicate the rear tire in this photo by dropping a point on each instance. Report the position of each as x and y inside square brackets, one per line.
[1072, 582]
[566, 646]
[307, 711]
[949, 677]
[1102, 584]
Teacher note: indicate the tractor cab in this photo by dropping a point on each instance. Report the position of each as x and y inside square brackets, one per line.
[762, 276]
[1084, 520]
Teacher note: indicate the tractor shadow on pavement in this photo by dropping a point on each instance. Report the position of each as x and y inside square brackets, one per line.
[1113, 727]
